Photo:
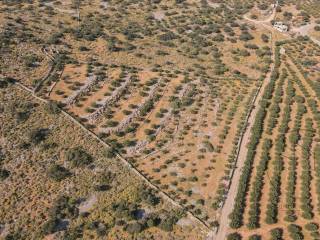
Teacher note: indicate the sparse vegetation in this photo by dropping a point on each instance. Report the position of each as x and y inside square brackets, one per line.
[131, 119]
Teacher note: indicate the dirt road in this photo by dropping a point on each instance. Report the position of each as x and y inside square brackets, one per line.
[304, 31]
[229, 203]
[244, 140]
[265, 21]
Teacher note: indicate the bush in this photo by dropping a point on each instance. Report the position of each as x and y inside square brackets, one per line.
[64, 207]
[135, 227]
[78, 157]
[50, 226]
[151, 222]
[312, 226]
[255, 237]
[148, 195]
[52, 107]
[276, 234]
[110, 152]
[234, 236]
[36, 136]
[245, 36]
[4, 174]
[167, 36]
[74, 233]
[295, 232]
[265, 38]
[31, 60]
[58, 173]
[317, 28]
[89, 30]
[263, 6]
[170, 220]
[5, 82]
[111, 123]
[167, 224]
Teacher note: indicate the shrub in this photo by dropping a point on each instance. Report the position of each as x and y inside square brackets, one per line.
[312, 226]
[111, 123]
[36, 136]
[264, 38]
[149, 196]
[263, 6]
[78, 157]
[245, 36]
[110, 152]
[58, 173]
[167, 36]
[50, 226]
[208, 145]
[135, 227]
[295, 232]
[276, 234]
[64, 207]
[255, 237]
[52, 107]
[167, 224]
[317, 28]
[4, 174]
[5, 82]
[234, 236]
[30, 60]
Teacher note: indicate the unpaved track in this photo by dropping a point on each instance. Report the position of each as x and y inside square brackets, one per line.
[244, 141]
[304, 31]
[229, 203]
[265, 22]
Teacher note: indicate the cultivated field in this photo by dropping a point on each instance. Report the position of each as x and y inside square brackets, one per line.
[127, 119]
[278, 197]
[175, 113]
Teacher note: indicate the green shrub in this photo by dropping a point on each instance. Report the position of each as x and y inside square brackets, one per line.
[234, 236]
[312, 226]
[36, 136]
[276, 234]
[135, 227]
[255, 237]
[50, 226]
[78, 157]
[110, 152]
[58, 173]
[295, 232]
[4, 174]
[52, 107]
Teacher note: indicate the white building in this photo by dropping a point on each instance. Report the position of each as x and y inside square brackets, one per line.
[281, 27]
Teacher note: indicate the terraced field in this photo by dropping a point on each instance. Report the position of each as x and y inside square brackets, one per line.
[130, 120]
[156, 89]
[57, 176]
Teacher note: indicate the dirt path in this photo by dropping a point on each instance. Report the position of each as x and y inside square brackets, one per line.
[265, 21]
[304, 31]
[244, 141]
[61, 10]
[229, 203]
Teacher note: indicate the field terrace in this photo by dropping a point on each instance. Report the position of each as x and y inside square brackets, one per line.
[40, 195]
[163, 88]
[153, 116]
